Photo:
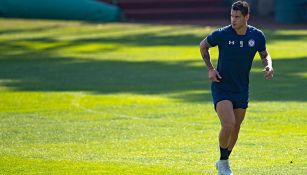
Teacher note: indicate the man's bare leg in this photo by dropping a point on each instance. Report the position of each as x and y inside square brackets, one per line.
[227, 118]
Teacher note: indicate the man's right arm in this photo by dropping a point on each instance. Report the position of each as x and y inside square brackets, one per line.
[204, 50]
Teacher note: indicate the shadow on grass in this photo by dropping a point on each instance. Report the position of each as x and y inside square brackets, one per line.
[144, 38]
[28, 29]
[39, 70]
[188, 81]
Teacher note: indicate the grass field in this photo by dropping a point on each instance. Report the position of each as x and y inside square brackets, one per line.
[124, 98]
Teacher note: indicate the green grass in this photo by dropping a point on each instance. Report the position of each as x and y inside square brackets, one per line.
[123, 98]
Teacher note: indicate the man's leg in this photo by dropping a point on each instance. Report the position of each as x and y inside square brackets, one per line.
[239, 117]
[226, 114]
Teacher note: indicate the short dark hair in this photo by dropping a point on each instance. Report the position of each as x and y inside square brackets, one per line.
[241, 6]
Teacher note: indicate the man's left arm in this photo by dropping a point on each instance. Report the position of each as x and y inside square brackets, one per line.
[267, 63]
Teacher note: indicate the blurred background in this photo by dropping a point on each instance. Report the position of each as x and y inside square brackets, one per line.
[280, 11]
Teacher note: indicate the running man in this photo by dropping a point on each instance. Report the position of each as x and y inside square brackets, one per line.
[237, 44]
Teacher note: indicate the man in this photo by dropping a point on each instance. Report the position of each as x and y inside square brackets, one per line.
[237, 44]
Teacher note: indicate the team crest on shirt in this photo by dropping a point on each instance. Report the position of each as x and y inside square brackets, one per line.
[251, 43]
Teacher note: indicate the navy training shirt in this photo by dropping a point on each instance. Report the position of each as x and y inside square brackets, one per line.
[236, 54]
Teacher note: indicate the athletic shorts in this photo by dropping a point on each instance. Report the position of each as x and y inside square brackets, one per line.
[239, 100]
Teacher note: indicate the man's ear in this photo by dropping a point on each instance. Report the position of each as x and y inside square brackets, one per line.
[247, 17]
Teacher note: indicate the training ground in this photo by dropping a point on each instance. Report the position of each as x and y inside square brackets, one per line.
[134, 98]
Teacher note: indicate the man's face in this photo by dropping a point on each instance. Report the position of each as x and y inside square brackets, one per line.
[237, 19]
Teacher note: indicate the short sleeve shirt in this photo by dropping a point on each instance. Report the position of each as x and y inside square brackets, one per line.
[236, 54]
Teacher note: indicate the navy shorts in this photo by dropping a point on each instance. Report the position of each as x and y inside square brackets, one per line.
[239, 100]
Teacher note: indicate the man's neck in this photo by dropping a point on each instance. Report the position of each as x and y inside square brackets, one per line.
[242, 30]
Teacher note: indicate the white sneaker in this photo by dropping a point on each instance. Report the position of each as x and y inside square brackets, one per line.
[223, 167]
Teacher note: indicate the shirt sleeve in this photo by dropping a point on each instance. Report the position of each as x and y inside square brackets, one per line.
[262, 42]
[214, 38]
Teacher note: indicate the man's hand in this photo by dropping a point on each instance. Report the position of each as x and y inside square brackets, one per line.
[267, 63]
[214, 75]
[268, 72]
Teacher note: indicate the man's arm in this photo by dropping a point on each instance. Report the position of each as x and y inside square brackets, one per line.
[267, 63]
[204, 50]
